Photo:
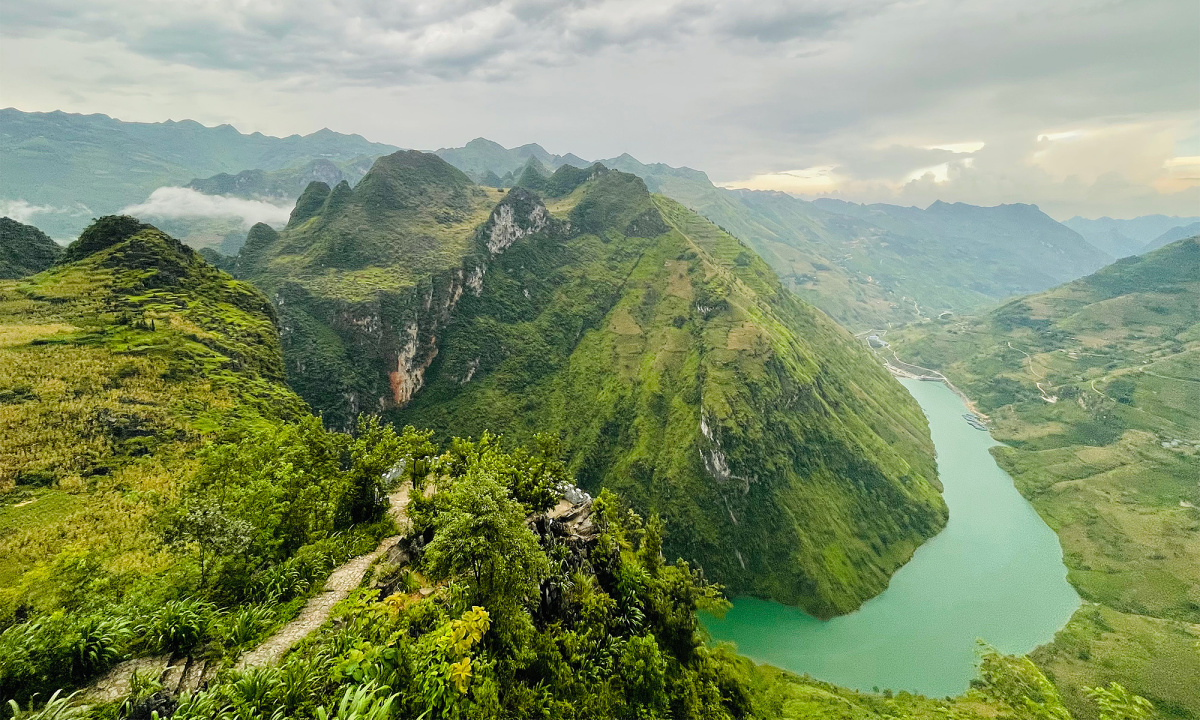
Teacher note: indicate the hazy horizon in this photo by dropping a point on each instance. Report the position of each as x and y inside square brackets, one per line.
[1085, 108]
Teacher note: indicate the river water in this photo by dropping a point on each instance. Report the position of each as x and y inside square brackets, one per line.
[994, 573]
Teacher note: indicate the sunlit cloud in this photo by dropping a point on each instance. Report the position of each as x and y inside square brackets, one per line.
[806, 181]
[1058, 136]
[960, 148]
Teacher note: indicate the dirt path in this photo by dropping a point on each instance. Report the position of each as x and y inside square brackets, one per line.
[344, 579]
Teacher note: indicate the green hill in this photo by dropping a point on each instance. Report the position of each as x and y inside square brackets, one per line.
[82, 166]
[114, 366]
[666, 354]
[1094, 387]
[24, 250]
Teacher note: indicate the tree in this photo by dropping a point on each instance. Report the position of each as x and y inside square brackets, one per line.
[481, 539]
[376, 449]
[203, 527]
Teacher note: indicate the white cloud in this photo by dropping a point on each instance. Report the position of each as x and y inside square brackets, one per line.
[22, 211]
[960, 147]
[874, 89]
[176, 203]
[25, 212]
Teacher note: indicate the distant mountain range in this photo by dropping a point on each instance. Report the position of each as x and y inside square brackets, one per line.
[868, 266]
[1122, 238]
[76, 167]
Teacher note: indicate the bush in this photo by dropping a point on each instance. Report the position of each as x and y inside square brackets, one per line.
[246, 624]
[179, 625]
[61, 649]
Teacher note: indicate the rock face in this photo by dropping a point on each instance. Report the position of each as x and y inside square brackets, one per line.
[365, 279]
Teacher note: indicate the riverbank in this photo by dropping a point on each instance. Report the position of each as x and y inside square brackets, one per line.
[994, 573]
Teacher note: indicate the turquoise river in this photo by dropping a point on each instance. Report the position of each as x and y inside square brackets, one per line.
[995, 573]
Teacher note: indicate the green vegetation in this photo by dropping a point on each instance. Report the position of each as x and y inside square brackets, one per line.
[206, 505]
[682, 375]
[150, 482]
[356, 271]
[868, 266]
[24, 250]
[666, 356]
[1095, 389]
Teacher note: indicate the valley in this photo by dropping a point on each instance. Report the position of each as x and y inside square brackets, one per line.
[579, 328]
[995, 575]
[1093, 389]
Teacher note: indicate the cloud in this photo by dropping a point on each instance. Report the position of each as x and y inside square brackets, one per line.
[407, 42]
[24, 212]
[877, 90]
[176, 203]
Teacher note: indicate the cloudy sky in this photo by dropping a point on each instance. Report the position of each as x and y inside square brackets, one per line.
[1085, 107]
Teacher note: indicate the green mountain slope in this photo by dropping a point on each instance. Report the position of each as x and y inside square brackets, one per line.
[82, 166]
[24, 250]
[114, 366]
[995, 251]
[1094, 387]
[665, 353]
[362, 277]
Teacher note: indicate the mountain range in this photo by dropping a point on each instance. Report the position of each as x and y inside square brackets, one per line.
[1122, 238]
[166, 488]
[169, 504]
[869, 266]
[76, 167]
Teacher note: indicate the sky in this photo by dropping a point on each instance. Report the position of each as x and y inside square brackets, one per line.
[1088, 107]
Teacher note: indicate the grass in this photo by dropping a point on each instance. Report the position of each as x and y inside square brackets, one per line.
[113, 370]
[1102, 645]
[1110, 465]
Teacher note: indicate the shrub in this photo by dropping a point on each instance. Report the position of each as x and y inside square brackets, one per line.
[246, 624]
[56, 708]
[179, 625]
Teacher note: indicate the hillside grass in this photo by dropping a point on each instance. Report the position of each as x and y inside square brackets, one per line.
[113, 370]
